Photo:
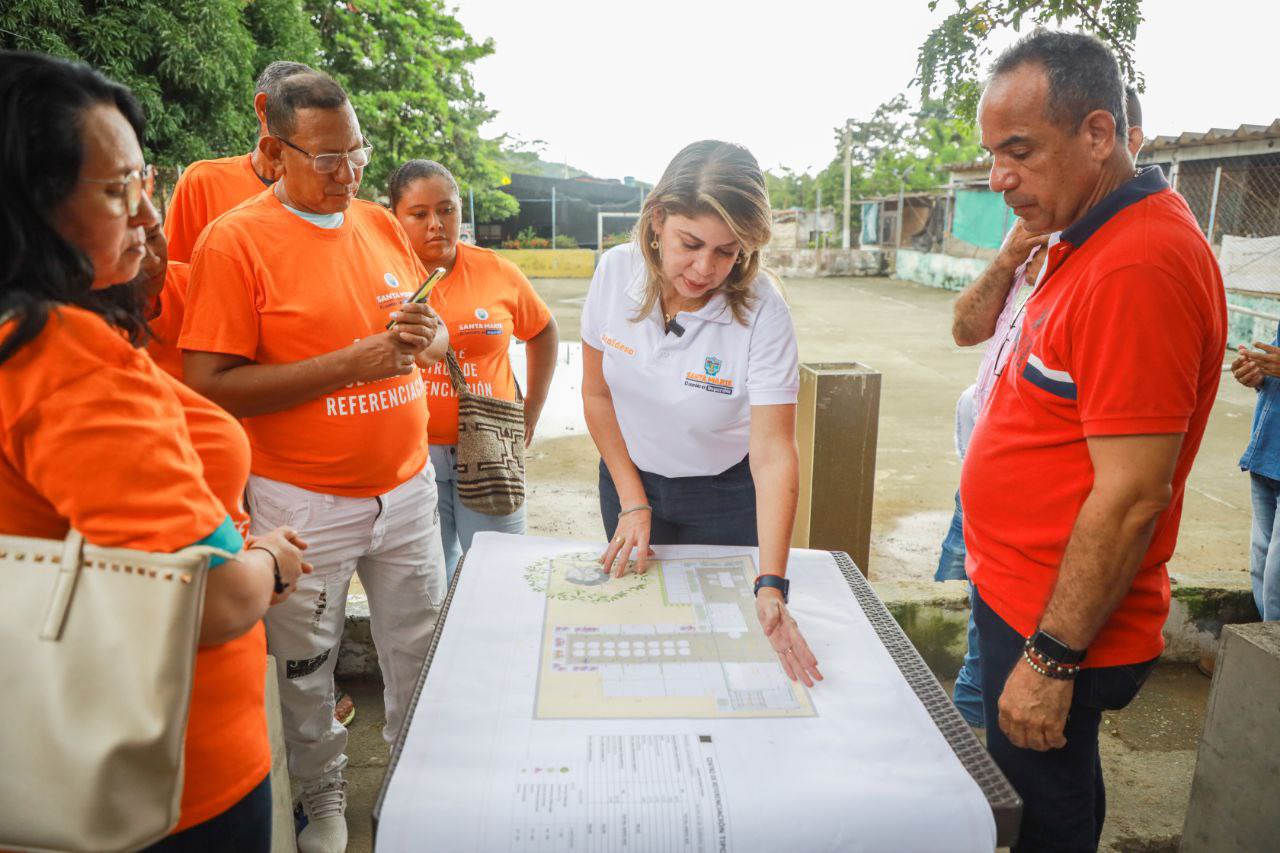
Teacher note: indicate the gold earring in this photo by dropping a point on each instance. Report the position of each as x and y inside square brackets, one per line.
[653, 244]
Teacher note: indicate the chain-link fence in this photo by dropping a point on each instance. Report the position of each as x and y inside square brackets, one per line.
[1237, 203]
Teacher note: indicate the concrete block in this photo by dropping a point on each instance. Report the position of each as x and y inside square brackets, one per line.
[836, 430]
[1233, 804]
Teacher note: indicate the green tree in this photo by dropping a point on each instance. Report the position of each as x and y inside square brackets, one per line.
[951, 60]
[191, 63]
[895, 145]
[407, 68]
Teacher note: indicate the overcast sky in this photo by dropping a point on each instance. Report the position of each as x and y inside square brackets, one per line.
[617, 88]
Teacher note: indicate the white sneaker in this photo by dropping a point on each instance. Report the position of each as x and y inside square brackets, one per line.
[326, 808]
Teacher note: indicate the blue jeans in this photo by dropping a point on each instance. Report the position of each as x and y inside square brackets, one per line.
[716, 510]
[1064, 801]
[951, 561]
[459, 523]
[246, 826]
[967, 694]
[1264, 556]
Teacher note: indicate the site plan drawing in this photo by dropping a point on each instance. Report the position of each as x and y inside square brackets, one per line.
[565, 711]
[681, 640]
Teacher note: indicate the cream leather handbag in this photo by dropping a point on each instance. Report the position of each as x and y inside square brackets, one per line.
[99, 648]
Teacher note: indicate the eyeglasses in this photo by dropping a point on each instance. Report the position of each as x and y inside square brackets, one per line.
[327, 164]
[136, 184]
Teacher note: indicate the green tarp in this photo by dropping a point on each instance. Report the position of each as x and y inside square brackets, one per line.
[981, 218]
[870, 223]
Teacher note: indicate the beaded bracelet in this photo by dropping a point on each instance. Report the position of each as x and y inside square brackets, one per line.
[1049, 668]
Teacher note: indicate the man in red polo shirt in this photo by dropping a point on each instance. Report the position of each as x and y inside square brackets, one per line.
[1074, 479]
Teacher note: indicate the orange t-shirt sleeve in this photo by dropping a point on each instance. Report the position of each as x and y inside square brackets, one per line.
[222, 306]
[166, 326]
[78, 447]
[531, 314]
[1136, 349]
[184, 220]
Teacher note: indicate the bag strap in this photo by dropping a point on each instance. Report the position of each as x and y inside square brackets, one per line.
[456, 378]
[63, 586]
[69, 570]
[459, 383]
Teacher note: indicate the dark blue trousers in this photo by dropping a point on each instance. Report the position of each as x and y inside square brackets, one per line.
[243, 828]
[716, 510]
[1064, 801]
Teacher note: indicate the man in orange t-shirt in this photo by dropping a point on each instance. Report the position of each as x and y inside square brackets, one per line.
[280, 288]
[209, 188]
[1073, 482]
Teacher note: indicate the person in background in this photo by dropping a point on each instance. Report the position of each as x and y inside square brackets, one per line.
[1075, 475]
[280, 288]
[162, 287]
[1259, 369]
[206, 190]
[485, 301]
[690, 380]
[990, 310]
[209, 188]
[140, 462]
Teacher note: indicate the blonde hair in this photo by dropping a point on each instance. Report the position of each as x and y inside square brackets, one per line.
[710, 177]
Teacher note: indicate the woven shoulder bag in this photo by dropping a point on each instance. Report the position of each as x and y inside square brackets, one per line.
[490, 467]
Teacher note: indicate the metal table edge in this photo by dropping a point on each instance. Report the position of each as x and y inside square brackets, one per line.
[1006, 805]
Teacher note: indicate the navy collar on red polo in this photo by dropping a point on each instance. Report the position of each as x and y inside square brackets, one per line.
[1146, 182]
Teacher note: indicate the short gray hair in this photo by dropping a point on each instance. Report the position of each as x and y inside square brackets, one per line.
[276, 71]
[1083, 76]
[312, 90]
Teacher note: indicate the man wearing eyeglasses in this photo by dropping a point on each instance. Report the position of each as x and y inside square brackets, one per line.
[286, 327]
[209, 188]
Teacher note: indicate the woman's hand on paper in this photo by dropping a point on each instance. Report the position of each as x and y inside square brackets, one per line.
[784, 634]
[632, 535]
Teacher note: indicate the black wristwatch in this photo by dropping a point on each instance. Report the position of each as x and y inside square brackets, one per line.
[773, 581]
[1051, 648]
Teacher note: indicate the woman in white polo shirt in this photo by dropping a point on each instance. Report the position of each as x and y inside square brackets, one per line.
[690, 377]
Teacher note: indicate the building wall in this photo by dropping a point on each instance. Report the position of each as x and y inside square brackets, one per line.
[821, 263]
[938, 270]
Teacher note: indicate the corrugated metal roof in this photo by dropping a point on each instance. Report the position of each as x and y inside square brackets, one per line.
[1216, 136]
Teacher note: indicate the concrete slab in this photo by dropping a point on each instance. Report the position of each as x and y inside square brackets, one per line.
[1233, 803]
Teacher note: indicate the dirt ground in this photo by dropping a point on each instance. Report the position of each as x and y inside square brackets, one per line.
[902, 330]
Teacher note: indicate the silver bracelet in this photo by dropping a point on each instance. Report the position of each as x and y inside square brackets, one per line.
[635, 509]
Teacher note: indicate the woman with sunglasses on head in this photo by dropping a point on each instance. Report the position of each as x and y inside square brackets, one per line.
[690, 380]
[81, 407]
[485, 301]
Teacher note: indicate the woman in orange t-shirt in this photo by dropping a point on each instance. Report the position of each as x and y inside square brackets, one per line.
[81, 407]
[484, 301]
